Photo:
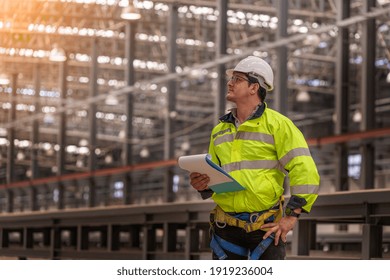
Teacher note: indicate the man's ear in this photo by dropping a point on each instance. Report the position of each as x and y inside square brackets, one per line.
[255, 88]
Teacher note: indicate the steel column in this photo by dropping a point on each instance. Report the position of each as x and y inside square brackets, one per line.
[104, 236]
[82, 238]
[127, 153]
[169, 124]
[10, 176]
[35, 139]
[61, 138]
[55, 241]
[169, 237]
[149, 242]
[28, 237]
[2, 236]
[112, 238]
[372, 241]
[341, 97]
[92, 122]
[62, 120]
[35, 124]
[192, 240]
[301, 241]
[281, 77]
[46, 236]
[367, 97]
[221, 44]
[135, 236]
[11, 132]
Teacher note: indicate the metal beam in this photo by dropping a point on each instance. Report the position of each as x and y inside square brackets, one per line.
[367, 96]
[372, 241]
[301, 236]
[342, 97]
[281, 77]
[221, 46]
[62, 132]
[10, 172]
[127, 151]
[34, 165]
[35, 124]
[316, 142]
[62, 129]
[169, 124]
[92, 160]
[334, 208]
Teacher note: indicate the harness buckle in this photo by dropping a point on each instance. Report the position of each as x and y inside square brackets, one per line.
[253, 217]
[220, 225]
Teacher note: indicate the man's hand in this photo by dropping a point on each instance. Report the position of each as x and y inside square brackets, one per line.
[280, 229]
[199, 181]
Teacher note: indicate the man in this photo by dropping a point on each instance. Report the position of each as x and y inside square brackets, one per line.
[258, 147]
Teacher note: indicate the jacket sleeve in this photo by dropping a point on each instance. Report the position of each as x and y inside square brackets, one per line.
[206, 194]
[212, 153]
[295, 157]
[209, 193]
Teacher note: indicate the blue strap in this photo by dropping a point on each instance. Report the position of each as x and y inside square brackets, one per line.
[259, 250]
[219, 245]
[218, 251]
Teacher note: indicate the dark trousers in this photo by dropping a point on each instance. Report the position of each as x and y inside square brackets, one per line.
[249, 240]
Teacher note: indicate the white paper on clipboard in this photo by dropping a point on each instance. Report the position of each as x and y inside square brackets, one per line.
[220, 181]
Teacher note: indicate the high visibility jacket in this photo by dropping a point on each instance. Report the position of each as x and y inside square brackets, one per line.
[259, 154]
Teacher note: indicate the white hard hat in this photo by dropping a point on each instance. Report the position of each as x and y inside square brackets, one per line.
[257, 68]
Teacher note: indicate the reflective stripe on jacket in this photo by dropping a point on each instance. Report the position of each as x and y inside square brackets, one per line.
[259, 154]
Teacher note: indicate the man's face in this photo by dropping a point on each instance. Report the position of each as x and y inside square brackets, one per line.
[238, 87]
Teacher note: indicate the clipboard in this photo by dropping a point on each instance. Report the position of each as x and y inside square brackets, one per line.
[220, 180]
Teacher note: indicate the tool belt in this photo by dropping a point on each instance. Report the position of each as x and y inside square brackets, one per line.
[255, 221]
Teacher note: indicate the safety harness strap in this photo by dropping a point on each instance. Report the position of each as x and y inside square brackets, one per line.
[260, 249]
[219, 245]
[221, 218]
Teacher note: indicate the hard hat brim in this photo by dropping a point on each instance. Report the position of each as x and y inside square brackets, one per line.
[229, 72]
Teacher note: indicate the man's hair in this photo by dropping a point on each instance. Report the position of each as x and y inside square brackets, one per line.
[262, 92]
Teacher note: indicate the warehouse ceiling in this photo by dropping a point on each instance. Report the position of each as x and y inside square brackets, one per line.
[29, 30]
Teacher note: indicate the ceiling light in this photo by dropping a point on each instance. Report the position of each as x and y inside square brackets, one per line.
[54, 169]
[312, 40]
[20, 156]
[130, 13]
[357, 116]
[185, 146]
[80, 163]
[111, 100]
[173, 114]
[122, 134]
[334, 117]
[108, 159]
[3, 132]
[303, 96]
[144, 153]
[4, 80]
[83, 142]
[57, 54]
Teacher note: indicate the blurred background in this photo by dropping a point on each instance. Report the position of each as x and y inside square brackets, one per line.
[98, 99]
